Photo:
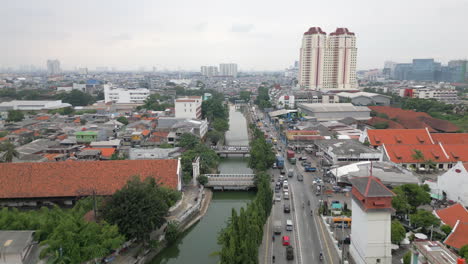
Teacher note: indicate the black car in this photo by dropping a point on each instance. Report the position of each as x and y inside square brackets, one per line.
[289, 253]
[282, 172]
[286, 208]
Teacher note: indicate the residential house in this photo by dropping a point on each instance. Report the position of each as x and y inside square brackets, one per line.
[37, 184]
[86, 137]
[456, 216]
[345, 151]
[154, 153]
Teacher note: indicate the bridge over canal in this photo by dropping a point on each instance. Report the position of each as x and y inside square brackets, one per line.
[230, 181]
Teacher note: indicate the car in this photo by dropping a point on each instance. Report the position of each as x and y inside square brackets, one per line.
[285, 188]
[306, 163]
[281, 177]
[300, 177]
[286, 195]
[282, 172]
[289, 253]
[286, 241]
[302, 158]
[285, 182]
[277, 190]
[278, 198]
[274, 166]
[286, 208]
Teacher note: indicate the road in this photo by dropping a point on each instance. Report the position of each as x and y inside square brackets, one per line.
[309, 236]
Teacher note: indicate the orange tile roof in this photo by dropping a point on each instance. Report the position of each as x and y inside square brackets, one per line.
[403, 153]
[379, 137]
[459, 235]
[80, 178]
[450, 138]
[21, 130]
[452, 214]
[43, 118]
[160, 134]
[51, 156]
[458, 152]
[105, 152]
[145, 132]
[62, 137]
[3, 138]
[77, 120]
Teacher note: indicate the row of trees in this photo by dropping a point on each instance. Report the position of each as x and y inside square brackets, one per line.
[263, 99]
[243, 235]
[157, 102]
[217, 114]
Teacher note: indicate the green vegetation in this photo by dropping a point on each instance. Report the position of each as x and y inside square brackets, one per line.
[407, 258]
[62, 111]
[172, 232]
[398, 232]
[156, 102]
[8, 152]
[381, 125]
[165, 145]
[446, 229]
[217, 114]
[15, 116]
[195, 148]
[263, 99]
[3, 133]
[76, 98]
[463, 252]
[202, 179]
[139, 207]
[424, 219]
[123, 120]
[242, 236]
[86, 111]
[245, 95]
[65, 231]
[409, 197]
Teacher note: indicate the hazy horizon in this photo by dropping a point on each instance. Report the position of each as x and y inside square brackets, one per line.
[257, 35]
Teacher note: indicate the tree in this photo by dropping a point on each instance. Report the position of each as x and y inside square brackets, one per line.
[202, 179]
[418, 156]
[188, 141]
[123, 120]
[165, 145]
[446, 229]
[221, 125]
[15, 116]
[214, 136]
[407, 258]
[245, 95]
[398, 232]
[424, 219]
[409, 197]
[9, 152]
[381, 125]
[463, 252]
[172, 232]
[83, 122]
[430, 164]
[76, 98]
[137, 209]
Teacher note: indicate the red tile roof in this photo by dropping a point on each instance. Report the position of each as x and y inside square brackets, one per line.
[452, 214]
[105, 152]
[459, 235]
[160, 134]
[391, 124]
[62, 137]
[145, 132]
[457, 152]
[43, 118]
[403, 153]
[80, 178]
[3, 138]
[449, 138]
[21, 130]
[379, 137]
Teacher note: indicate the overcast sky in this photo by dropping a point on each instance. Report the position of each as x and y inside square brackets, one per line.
[256, 34]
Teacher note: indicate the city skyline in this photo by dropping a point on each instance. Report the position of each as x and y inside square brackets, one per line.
[147, 34]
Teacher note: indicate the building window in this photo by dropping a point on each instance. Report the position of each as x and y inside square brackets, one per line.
[441, 166]
[450, 165]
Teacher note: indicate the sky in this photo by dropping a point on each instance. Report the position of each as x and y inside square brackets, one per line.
[255, 34]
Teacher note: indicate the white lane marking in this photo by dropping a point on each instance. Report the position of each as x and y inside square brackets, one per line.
[298, 237]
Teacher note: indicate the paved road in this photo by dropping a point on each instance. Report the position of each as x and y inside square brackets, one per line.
[309, 236]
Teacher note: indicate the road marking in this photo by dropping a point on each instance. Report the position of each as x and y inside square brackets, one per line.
[325, 240]
[297, 236]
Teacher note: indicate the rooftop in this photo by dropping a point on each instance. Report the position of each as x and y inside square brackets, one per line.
[338, 107]
[371, 187]
[459, 235]
[452, 214]
[404, 153]
[345, 147]
[379, 137]
[435, 252]
[80, 178]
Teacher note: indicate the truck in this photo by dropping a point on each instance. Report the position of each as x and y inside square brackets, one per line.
[277, 227]
[310, 169]
[279, 162]
[290, 154]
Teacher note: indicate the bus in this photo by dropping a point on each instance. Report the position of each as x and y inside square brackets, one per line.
[338, 221]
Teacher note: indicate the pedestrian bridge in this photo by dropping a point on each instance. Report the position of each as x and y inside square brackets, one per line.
[226, 150]
[230, 181]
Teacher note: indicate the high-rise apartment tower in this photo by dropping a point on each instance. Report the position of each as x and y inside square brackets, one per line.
[53, 67]
[328, 62]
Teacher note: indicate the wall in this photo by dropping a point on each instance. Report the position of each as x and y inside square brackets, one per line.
[455, 184]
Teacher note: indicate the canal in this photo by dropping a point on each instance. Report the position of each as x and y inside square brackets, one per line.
[199, 243]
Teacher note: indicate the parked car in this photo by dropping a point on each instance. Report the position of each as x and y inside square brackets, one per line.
[302, 158]
[289, 253]
[286, 208]
[286, 241]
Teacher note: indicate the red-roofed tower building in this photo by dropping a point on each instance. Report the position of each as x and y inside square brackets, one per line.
[371, 214]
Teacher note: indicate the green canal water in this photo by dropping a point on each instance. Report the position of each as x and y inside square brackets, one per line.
[199, 243]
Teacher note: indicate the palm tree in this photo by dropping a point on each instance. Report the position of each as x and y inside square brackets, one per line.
[418, 156]
[9, 152]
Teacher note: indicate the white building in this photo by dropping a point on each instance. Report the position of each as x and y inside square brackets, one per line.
[188, 107]
[75, 86]
[209, 71]
[328, 63]
[454, 183]
[124, 95]
[285, 101]
[371, 213]
[53, 67]
[423, 92]
[335, 112]
[228, 69]
[32, 105]
[83, 71]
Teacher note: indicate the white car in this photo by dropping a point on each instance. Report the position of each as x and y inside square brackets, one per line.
[286, 195]
[278, 198]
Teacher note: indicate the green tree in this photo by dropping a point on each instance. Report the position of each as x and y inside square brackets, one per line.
[8, 152]
[407, 258]
[417, 155]
[446, 229]
[409, 197]
[172, 232]
[381, 125]
[202, 179]
[245, 95]
[214, 108]
[123, 120]
[165, 145]
[76, 98]
[221, 125]
[188, 141]
[83, 122]
[15, 116]
[137, 209]
[463, 252]
[214, 136]
[398, 232]
[424, 219]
